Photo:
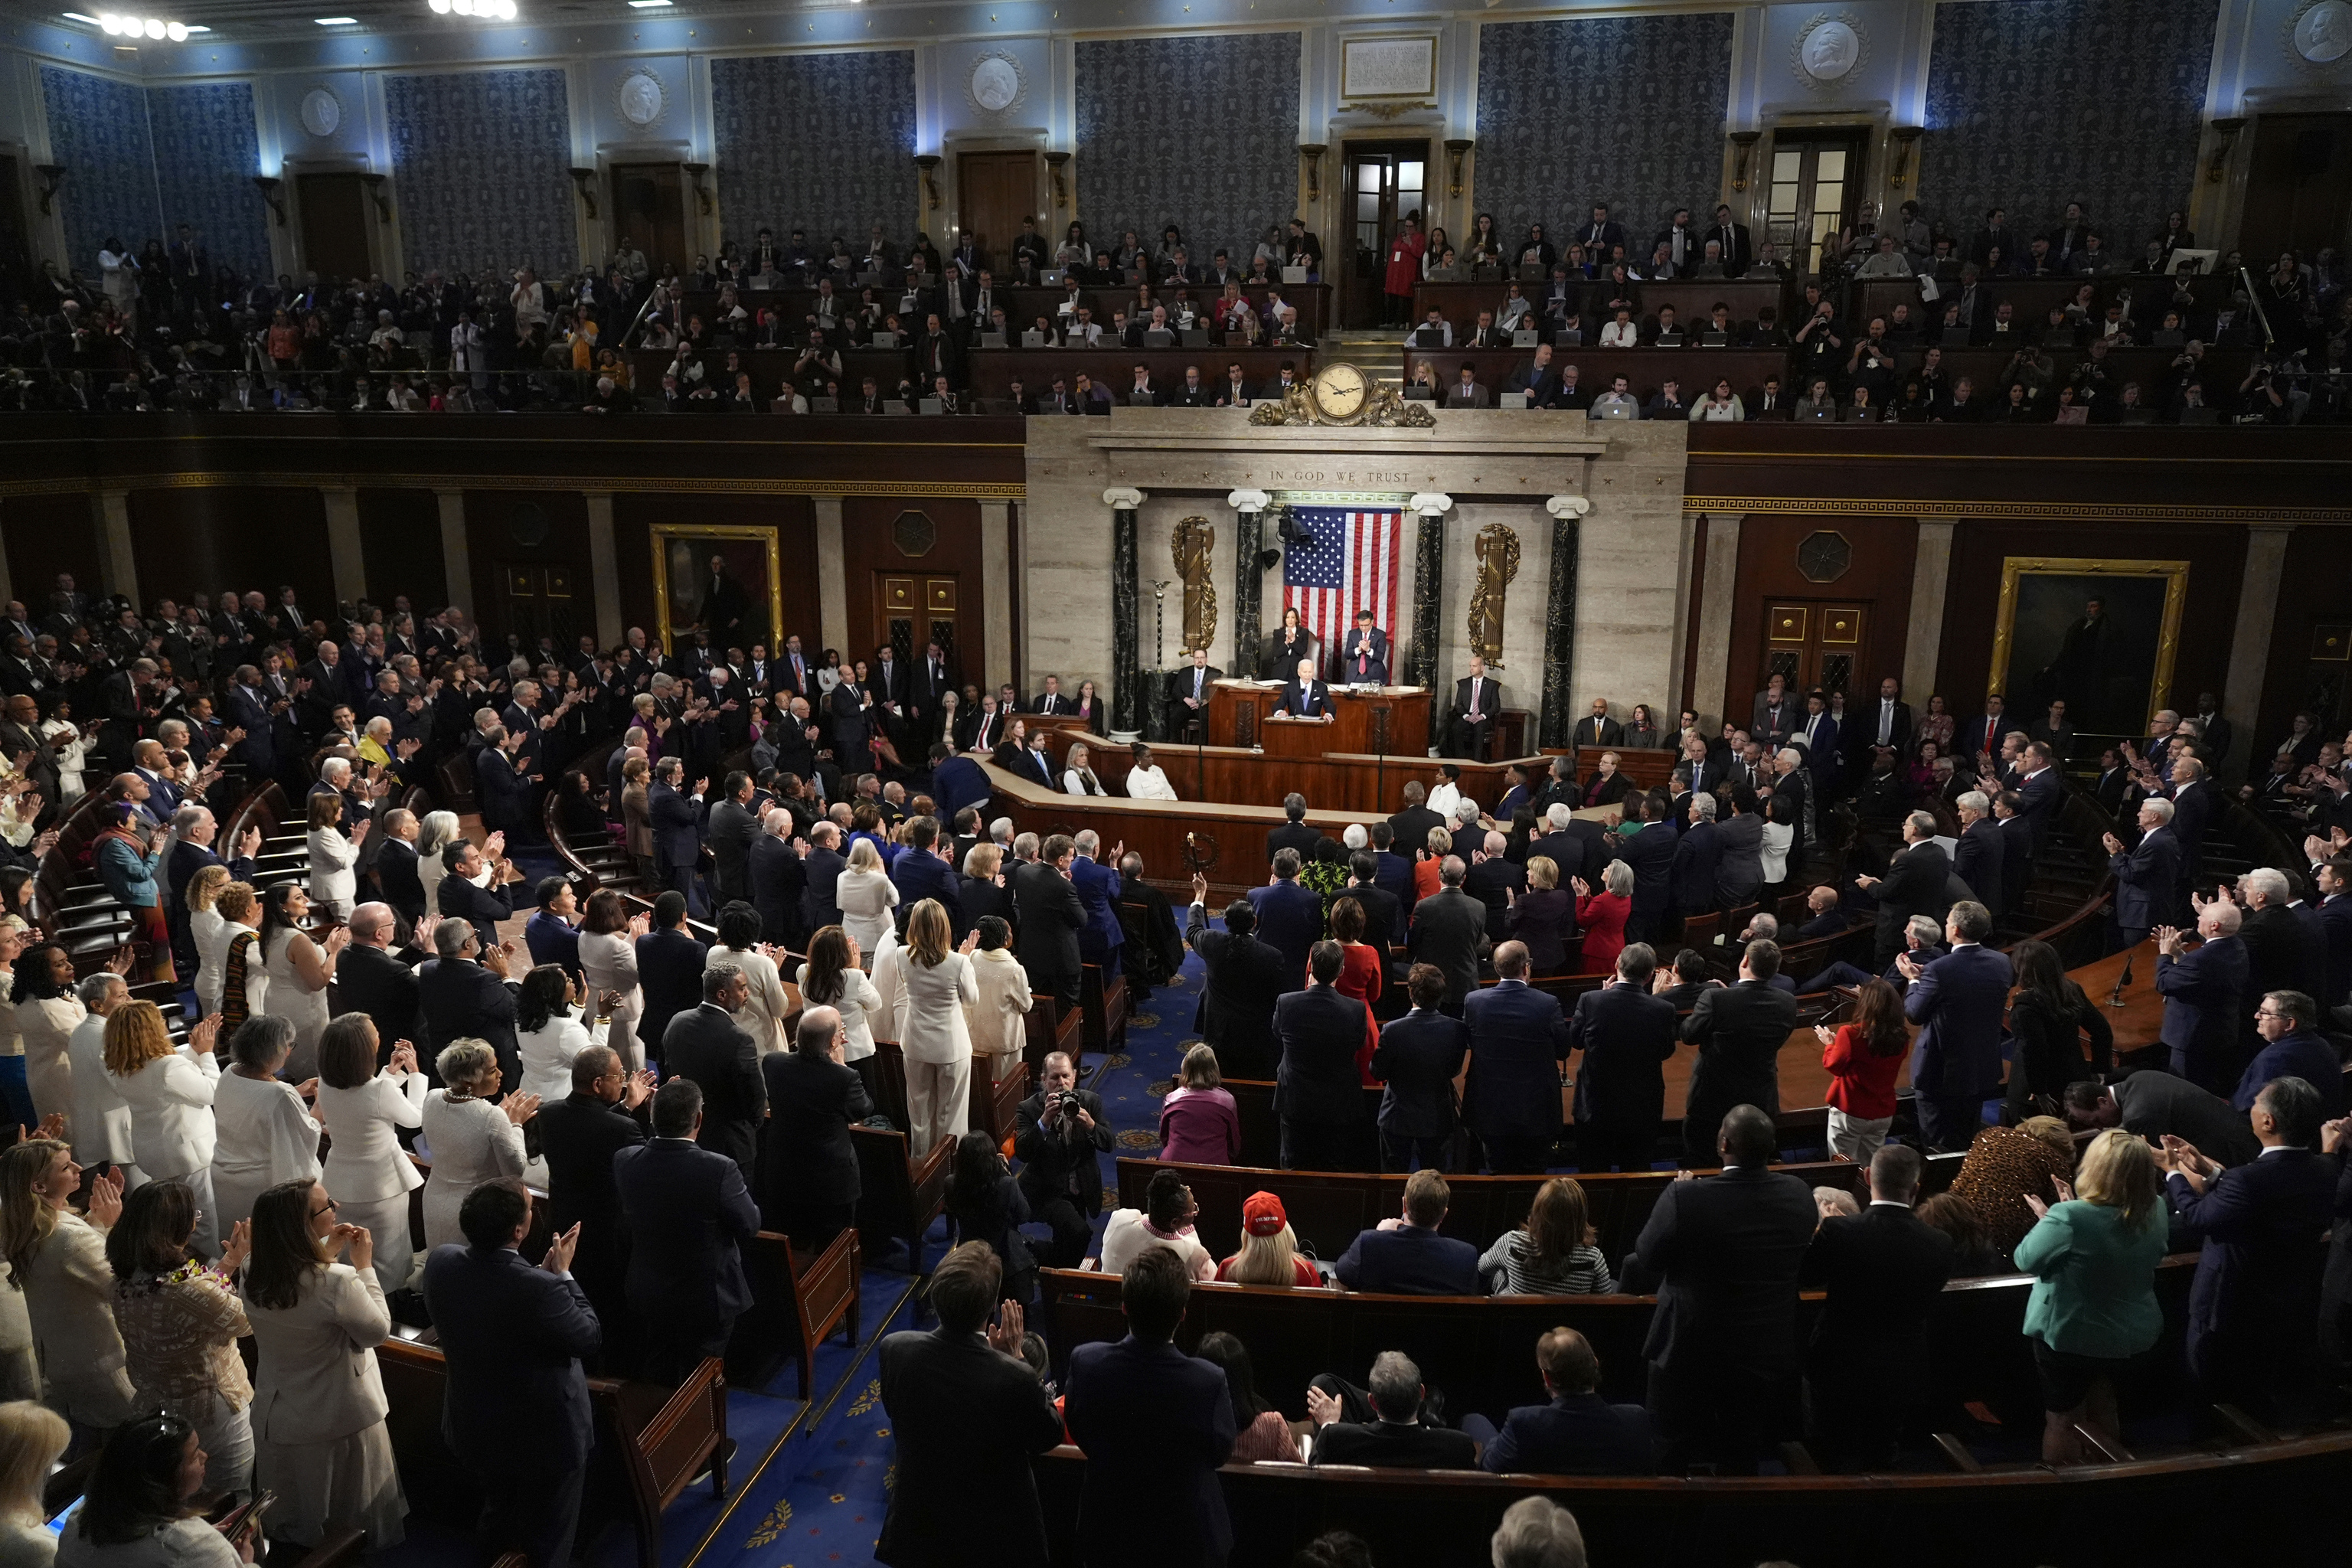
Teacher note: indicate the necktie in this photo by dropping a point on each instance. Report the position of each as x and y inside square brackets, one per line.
[1473, 698]
[1197, 676]
[1885, 723]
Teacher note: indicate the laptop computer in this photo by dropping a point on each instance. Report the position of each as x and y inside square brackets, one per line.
[1196, 337]
[1523, 338]
[824, 406]
[1033, 339]
[1158, 338]
[885, 341]
[1669, 340]
[1614, 411]
[1053, 276]
[1421, 395]
[895, 406]
[869, 279]
[992, 339]
[932, 406]
[1531, 272]
[1293, 275]
[1713, 340]
[1512, 400]
[1444, 275]
[1819, 416]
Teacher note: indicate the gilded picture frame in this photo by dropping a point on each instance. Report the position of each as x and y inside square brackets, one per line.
[2114, 671]
[677, 545]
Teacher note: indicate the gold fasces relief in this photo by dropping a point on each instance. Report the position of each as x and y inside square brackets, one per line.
[1497, 547]
[1194, 543]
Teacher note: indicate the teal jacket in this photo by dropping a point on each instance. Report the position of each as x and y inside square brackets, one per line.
[2095, 1279]
[129, 876]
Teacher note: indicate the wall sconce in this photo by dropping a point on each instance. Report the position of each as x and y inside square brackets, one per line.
[585, 182]
[2228, 130]
[375, 183]
[1313, 153]
[53, 175]
[695, 171]
[1456, 147]
[1059, 163]
[272, 190]
[1746, 141]
[928, 163]
[1906, 143]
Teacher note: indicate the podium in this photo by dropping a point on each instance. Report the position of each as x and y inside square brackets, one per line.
[1390, 720]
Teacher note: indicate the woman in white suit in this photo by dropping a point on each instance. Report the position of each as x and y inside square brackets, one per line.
[763, 1015]
[439, 830]
[865, 896]
[367, 1171]
[833, 978]
[265, 1134]
[48, 1011]
[335, 878]
[474, 1139]
[608, 961]
[99, 1126]
[997, 1015]
[300, 970]
[208, 929]
[58, 1259]
[240, 911]
[550, 1032]
[171, 1094]
[320, 1439]
[931, 1029]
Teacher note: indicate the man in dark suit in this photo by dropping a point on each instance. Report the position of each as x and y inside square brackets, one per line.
[1470, 722]
[1596, 728]
[1958, 1001]
[1885, 724]
[1731, 241]
[922, 871]
[733, 827]
[2204, 993]
[465, 994]
[464, 896]
[677, 819]
[670, 971]
[1649, 854]
[370, 978]
[808, 1172]
[2153, 1104]
[1696, 854]
[1977, 858]
[2284, 951]
[2292, 1046]
[1725, 1252]
[1153, 1422]
[2147, 876]
[1407, 1256]
[1319, 1093]
[516, 1403]
[1740, 1030]
[579, 1135]
[1306, 695]
[1189, 691]
[1060, 1131]
[1578, 1433]
[2038, 791]
[689, 1212]
[966, 1414]
[1396, 1437]
[1245, 978]
[1293, 834]
[1409, 828]
[1883, 1271]
[2016, 848]
[1364, 654]
[1051, 917]
[824, 864]
[1449, 929]
[1517, 1040]
[2254, 1307]
[708, 1046]
[1289, 917]
[779, 882]
[1418, 1058]
[1912, 885]
[1627, 1037]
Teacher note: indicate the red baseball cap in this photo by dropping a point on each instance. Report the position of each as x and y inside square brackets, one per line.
[1263, 1215]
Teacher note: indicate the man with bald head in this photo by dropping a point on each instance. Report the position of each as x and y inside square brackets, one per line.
[1495, 881]
[374, 978]
[1519, 1037]
[147, 760]
[808, 1168]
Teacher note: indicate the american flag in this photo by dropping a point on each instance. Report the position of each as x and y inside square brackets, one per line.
[1350, 564]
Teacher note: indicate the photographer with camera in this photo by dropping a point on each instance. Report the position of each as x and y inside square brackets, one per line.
[1062, 1128]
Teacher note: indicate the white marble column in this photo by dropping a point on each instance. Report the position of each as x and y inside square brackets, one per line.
[346, 556]
[1931, 576]
[996, 569]
[605, 568]
[1711, 671]
[456, 562]
[118, 571]
[832, 579]
[2249, 642]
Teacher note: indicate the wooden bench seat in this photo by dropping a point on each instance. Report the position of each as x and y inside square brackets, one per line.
[1102, 1005]
[798, 1298]
[1050, 1030]
[898, 1197]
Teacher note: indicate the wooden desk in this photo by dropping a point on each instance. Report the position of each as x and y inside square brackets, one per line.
[2139, 1022]
[1022, 306]
[1391, 721]
[1694, 299]
[1694, 369]
[991, 371]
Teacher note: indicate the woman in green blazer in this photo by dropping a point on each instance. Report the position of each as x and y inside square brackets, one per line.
[2093, 1255]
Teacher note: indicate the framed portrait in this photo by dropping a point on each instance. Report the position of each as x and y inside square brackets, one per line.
[1389, 66]
[721, 581]
[2099, 636]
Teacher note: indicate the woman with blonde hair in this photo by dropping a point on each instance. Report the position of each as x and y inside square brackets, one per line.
[364, 1111]
[473, 1140]
[207, 928]
[865, 896]
[1269, 1254]
[180, 1320]
[319, 1409]
[57, 1259]
[334, 881]
[1199, 1122]
[931, 1029]
[2093, 1312]
[636, 813]
[241, 985]
[1553, 1254]
[170, 1093]
[833, 978]
[33, 1437]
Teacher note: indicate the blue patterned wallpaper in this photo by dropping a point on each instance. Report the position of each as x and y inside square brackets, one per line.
[478, 161]
[206, 157]
[2034, 103]
[823, 141]
[98, 129]
[1623, 109]
[1199, 132]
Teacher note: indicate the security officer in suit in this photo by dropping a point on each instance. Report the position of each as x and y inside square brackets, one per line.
[1189, 690]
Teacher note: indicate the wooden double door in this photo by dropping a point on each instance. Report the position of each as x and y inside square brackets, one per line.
[913, 610]
[994, 191]
[1815, 643]
[649, 212]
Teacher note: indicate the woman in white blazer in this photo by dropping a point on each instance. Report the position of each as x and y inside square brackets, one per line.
[931, 1029]
[363, 1110]
[865, 896]
[170, 1093]
[440, 829]
[300, 970]
[998, 1014]
[208, 929]
[473, 1138]
[46, 1013]
[832, 978]
[58, 1259]
[763, 1015]
[265, 1134]
[240, 911]
[550, 1031]
[608, 962]
[99, 1126]
[335, 859]
[318, 1436]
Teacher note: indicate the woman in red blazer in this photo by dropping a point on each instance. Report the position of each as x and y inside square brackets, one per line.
[1602, 916]
[1863, 1058]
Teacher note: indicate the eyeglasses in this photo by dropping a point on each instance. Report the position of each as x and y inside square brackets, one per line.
[330, 1208]
[2268, 1013]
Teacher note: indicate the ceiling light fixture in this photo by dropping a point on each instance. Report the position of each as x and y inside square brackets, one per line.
[650, 4]
[77, 16]
[120, 26]
[481, 10]
[336, 21]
